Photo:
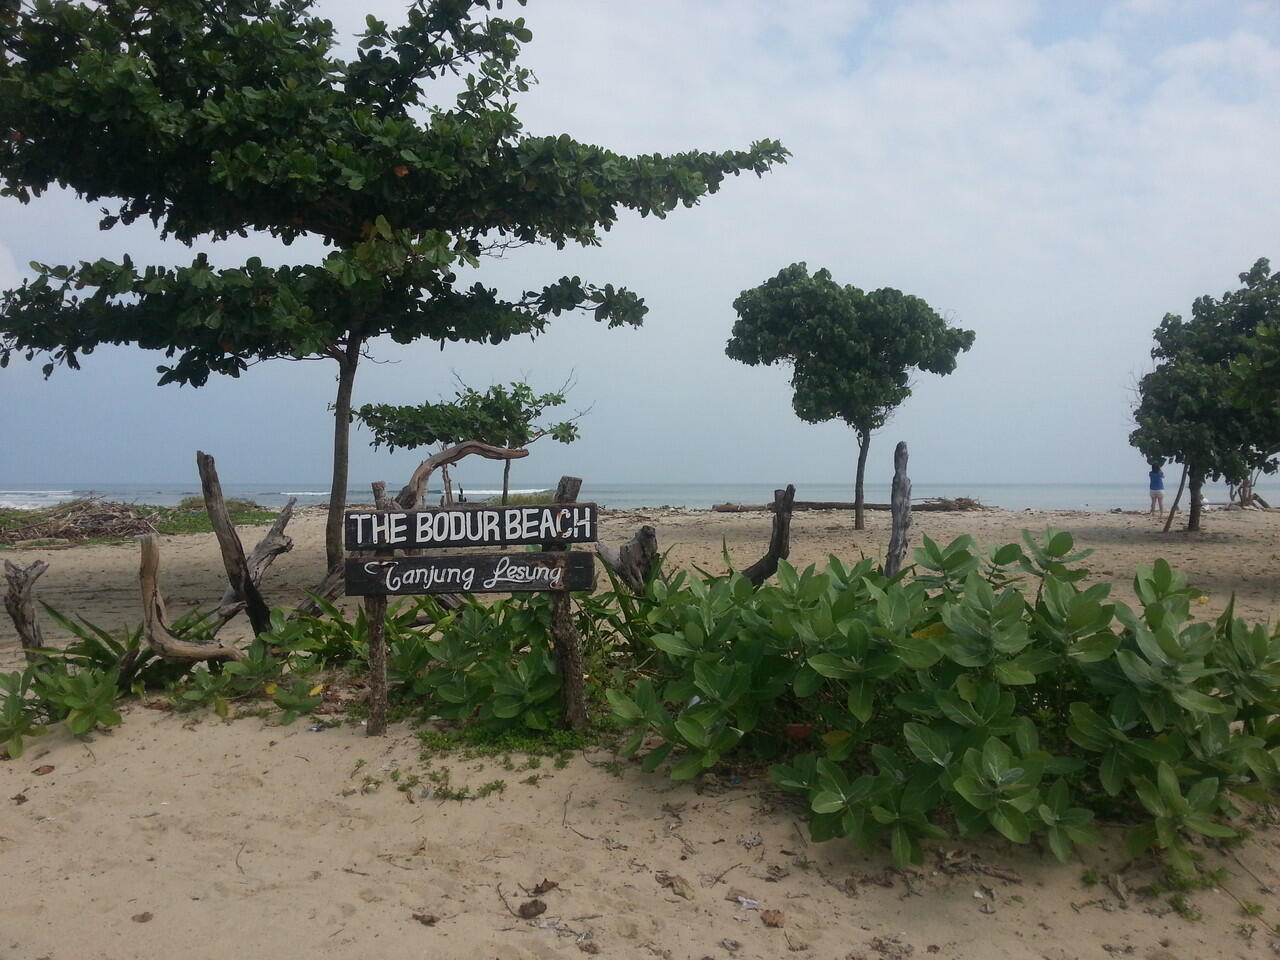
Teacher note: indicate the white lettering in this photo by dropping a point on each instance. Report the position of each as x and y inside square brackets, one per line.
[582, 524]
[513, 571]
[398, 532]
[380, 526]
[530, 531]
[549, 528]
[423, 534]
[513, 525]
[440, 527]
[491, 531]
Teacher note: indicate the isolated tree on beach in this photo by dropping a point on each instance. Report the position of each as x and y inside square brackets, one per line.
[215, 119]
[1191, 409]
[852, 352]
[503, 416]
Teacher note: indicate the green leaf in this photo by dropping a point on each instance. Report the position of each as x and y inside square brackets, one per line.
[688, 766]
[927, 744]
[1011, 822]
[653, 759]
[827, 802]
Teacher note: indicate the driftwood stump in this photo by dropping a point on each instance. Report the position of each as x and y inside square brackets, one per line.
[155, 618]
[634, 562]
[412, 493]
[779, 538]
[901, 502]
[565, 639]
[233, 558]
[20, 601]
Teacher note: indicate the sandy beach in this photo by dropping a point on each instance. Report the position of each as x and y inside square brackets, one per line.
[158, 838]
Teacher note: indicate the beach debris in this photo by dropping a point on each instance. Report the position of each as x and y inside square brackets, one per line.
[43, 769]
[736, 895]
[892, 947]
[544, 887]
[733, 946]
[19, 798]
[141, 917]
[532, 908]
[773, 918]
[750, 843]
[675, 883]
[426, 919]
[773, 873]
[589, 946]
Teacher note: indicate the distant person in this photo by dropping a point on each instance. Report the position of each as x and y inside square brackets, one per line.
[1157, 489]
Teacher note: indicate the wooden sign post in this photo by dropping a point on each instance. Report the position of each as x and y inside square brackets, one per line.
[374, 572]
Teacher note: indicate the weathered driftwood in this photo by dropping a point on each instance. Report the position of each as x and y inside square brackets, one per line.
[565, 639]
[326, 589]
[272, 544]
[634, 562]
[901, 494]
[411, 494]
[779, 538]
[20, 601]
[233, 558]
[930, 505]
[155, 617]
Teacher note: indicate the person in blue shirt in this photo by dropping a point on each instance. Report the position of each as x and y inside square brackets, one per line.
[1157, 489]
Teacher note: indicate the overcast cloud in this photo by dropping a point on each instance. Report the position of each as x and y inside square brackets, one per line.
[1053, 176]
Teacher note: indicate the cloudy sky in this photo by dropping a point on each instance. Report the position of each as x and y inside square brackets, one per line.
[1055, 176]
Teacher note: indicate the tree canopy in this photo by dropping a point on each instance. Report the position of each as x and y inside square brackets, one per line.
[1190, 409]
[504, 416]
[221, 118]
[852, 352]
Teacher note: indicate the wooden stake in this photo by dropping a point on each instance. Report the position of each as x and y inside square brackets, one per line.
[375, 614]
[901, 504]
[1174, 509]
[566, 641]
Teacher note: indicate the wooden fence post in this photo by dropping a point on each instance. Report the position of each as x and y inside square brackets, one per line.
[565, 640]
[900, 502]
[375, 615]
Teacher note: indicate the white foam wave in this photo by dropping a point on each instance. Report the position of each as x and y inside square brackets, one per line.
[304, 493]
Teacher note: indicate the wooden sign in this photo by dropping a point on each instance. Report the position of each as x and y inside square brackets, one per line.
[470, 573]
[471, 526]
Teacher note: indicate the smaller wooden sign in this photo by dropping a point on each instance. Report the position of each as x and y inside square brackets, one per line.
[480, 525]
[470, 573]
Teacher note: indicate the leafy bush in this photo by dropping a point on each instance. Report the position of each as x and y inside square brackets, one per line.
[988, 693]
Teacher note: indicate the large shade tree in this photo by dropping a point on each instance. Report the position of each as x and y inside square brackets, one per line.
[852, 352]
[1191, 409]
[221, 118]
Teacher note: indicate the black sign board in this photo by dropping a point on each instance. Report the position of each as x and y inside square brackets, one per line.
[471, 526]
[470, 573]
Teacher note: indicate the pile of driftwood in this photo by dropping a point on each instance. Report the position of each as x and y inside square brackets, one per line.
[925, 505]
[82, 520]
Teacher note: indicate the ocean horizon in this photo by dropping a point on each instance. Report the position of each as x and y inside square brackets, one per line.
[1008, 496]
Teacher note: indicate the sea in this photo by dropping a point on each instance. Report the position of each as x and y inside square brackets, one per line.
[1008, 496]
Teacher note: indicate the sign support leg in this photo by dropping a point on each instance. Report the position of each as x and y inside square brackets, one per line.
[565, 639]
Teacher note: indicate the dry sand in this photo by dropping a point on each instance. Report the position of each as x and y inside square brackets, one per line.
[191, 837]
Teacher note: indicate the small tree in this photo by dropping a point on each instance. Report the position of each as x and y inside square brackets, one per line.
[221, 119]
[1190, 406]
[502, 416]
[852, 353]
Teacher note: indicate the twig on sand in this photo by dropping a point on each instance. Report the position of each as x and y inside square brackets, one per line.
[564, 819]
[238, 852]
[503, 897]
[719, 877]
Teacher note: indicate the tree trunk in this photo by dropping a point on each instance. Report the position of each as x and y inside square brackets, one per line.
[864, 444]
[447, 482]
[506, 480]
[1193, 515]
[1174, 508]
[349, 360]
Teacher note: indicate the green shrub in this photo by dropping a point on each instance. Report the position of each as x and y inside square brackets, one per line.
[988, 693]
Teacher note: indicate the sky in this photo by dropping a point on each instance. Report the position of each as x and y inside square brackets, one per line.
[1054, 176]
